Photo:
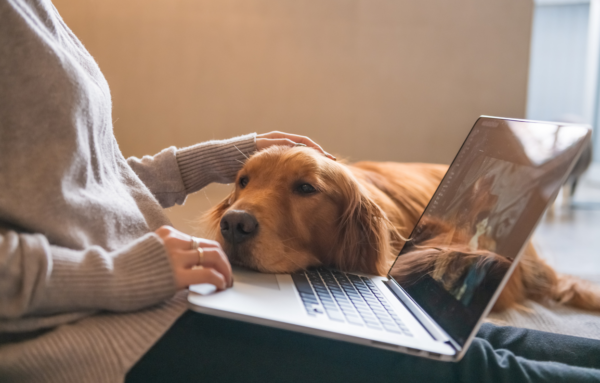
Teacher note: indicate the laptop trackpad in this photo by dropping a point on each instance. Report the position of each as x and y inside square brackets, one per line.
[268, 281]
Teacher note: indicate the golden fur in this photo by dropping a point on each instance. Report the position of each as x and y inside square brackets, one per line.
[357, 220]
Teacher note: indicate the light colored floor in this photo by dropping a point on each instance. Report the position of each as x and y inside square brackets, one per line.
[569, 239]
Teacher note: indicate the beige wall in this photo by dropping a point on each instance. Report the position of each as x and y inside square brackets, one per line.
[398, 80]
[373, 79]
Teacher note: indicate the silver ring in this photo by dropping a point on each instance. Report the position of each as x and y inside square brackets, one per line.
[200, 256]
[195, 243]
[299, 144]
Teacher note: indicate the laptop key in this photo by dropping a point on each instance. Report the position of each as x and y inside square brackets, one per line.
[380, 314]
[402, 326]
[368, 318]
[354, 320]
[392, 329]
[349, 313]
[386, 320]
[302, 283]
[335, 315]
[330, 307]
[317, 310]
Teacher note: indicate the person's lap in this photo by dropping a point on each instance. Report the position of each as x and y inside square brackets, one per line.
[201, 347]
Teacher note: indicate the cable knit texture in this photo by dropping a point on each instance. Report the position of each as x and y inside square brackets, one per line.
[86, 287]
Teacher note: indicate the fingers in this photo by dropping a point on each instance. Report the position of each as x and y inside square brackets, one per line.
[204, 275]
[213, 258]
[175, 239]
[205, 243]
[288, 139]
[184, 258]
[294, 138]
[266, 142]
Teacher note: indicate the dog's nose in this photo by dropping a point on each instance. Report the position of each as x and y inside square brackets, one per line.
[238, 225]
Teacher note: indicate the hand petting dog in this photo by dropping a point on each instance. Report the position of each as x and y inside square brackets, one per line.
[197, 260]
[265, 140]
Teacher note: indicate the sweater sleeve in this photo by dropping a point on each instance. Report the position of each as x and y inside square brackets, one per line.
[39, 278]
[174, 173]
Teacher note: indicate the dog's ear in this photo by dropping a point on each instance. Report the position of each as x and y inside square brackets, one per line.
[211, 219]
[364, 231]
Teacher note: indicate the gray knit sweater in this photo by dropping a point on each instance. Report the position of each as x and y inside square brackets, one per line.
[86, 287]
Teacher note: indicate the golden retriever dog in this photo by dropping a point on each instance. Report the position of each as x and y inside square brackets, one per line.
[293, 209]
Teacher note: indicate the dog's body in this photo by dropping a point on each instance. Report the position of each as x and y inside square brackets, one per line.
[293, 209]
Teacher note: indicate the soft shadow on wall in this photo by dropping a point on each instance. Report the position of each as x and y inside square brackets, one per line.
[379, 79]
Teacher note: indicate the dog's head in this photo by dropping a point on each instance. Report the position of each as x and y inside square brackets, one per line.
[293, 208]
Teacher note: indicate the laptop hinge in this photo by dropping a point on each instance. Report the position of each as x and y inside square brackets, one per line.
[429, 324]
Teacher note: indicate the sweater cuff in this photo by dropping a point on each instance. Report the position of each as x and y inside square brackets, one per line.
[130, 278]
[214, 161]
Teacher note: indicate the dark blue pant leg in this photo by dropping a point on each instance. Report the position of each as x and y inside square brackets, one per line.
[539, 345]
[210, 349]
[485, 363]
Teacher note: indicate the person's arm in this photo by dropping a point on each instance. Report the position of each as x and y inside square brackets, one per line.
[39, 278]
[174, 173]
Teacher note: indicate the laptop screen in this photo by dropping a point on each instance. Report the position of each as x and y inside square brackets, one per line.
[481, 216]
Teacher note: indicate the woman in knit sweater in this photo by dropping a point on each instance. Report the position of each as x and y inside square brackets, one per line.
[88, 270]
[91, 275]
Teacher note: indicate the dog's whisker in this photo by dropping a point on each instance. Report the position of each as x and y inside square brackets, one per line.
[240, 151]
[289, 239]
[291, 259]
[206, 195]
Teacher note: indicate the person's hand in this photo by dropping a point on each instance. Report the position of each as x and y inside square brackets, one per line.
[215, 269]
[286, 139]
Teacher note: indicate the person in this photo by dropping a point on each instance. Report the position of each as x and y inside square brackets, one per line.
[93, 278]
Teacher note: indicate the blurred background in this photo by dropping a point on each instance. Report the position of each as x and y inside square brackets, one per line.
[388, 80]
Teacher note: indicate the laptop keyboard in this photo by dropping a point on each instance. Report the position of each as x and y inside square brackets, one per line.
[347, 298]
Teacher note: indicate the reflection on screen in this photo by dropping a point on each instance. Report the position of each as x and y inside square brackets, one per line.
[481, 216]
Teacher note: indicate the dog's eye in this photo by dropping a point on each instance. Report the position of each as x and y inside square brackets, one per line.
[243, 182]
[306, 189]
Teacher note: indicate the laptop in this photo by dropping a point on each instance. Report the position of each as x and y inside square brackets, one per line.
[491, 199]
